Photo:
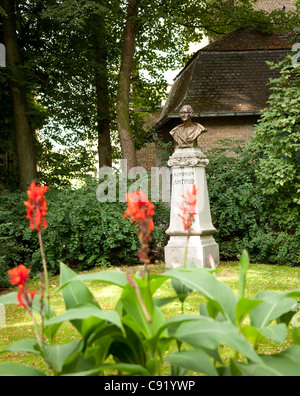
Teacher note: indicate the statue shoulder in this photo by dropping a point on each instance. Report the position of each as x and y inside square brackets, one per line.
[174, 130]
[201, 127]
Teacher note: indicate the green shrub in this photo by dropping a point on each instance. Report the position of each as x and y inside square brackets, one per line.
[244, 216]
[81, 232]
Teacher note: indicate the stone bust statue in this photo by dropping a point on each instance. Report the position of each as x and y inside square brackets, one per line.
[186, 134]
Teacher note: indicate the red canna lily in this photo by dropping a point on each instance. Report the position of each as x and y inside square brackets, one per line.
[140, 210]
[19, 275]
[36, 206]
[188, 207]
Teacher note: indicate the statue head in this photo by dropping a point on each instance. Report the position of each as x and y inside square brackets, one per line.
[186, 113]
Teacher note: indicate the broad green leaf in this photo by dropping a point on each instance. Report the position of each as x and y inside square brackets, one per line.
[173, 322]
[181, 290]
[9, 299]
[19, 370]
[24, 346]
[244, 307]
[133, 369]
[257, 336]
[86, 311]
[56, 355]
[116, 278]
[209, 334]
[76, 292]
[276, 333]
[196, 360]
[137, 318]
[272, 307]
[284, 364]
[160, 302]
[204, 282]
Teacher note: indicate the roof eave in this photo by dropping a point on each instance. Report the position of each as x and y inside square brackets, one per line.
[207, 114]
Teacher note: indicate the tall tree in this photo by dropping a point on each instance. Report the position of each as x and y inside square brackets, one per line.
[22, 126]
[123, 96]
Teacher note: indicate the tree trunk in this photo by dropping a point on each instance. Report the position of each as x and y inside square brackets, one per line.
[22, 127]
[123, 96]
[103, 116]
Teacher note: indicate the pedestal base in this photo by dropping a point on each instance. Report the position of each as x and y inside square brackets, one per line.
[199, 249]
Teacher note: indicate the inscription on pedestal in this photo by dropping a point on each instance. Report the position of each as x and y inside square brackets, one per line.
[184, 178]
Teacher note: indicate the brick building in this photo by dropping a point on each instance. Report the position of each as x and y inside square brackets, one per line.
[226, 84]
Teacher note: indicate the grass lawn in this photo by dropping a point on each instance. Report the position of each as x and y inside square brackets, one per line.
[260, 277]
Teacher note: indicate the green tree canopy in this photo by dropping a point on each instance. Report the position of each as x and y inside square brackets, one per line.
[277, 140]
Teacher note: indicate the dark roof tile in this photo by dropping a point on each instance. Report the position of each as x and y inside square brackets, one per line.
[229, 75]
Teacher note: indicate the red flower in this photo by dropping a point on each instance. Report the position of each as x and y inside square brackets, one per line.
[140, 210]
[19, 275]
[188, 207]
[36, 206]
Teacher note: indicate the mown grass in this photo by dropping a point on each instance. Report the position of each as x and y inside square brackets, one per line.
[260, 277]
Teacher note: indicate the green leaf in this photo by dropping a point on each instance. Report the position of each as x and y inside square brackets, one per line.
[116, 278]
[86, 311]
[243, 308]
[196, 360]
[181, 290]
[284, 364]
[57, 355]
[19, 370]
[209, 334]
[134, 310]
[257, 336]
[24, 346]
[133, 369]
[272, 307]
[204, 282]
[160, 302]
[244, 264]
[75, 293]
[9, 299]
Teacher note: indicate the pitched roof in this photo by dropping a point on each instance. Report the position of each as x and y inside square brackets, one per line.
[228, 76]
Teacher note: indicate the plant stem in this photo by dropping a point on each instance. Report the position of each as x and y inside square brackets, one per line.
[44, 266]
[186, 249]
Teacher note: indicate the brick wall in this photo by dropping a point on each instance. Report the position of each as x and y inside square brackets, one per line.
[233, 128]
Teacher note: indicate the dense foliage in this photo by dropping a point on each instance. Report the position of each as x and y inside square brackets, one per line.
[277, 141]
[82, 232]
[244, 216]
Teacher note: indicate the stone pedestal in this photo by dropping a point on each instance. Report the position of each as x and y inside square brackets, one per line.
[188, 168]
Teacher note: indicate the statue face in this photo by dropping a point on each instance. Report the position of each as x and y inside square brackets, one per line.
[185, 114]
